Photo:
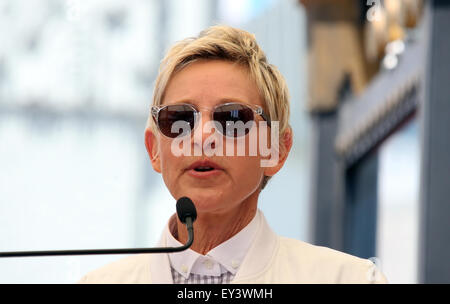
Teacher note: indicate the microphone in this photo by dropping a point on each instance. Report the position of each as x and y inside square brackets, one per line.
[186, 213]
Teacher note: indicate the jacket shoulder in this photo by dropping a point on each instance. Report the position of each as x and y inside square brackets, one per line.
[319, 264]
[128, 270]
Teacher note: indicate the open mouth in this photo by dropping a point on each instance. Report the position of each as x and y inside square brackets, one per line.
[203, 169]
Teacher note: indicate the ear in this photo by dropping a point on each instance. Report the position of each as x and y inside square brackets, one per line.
[285, 148]
[151, 143]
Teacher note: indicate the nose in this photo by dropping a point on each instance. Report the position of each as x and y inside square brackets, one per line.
[205, 135]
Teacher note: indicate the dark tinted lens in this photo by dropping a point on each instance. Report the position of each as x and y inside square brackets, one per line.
[174, 120]
[232, 117]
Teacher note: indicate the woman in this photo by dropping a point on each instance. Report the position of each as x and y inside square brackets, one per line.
[206, 86]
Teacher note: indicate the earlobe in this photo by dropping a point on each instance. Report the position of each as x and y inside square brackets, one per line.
[151, 144]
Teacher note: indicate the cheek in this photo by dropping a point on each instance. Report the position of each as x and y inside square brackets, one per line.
[165, 154]
[246, 170]
[169, 162]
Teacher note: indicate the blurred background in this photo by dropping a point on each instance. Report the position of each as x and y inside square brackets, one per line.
[76, 80]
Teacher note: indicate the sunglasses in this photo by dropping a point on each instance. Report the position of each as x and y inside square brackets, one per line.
[226, 114]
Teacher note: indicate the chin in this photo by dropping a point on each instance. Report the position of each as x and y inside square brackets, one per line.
[207, 201]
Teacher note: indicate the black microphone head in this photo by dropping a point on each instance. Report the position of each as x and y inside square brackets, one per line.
[186, 208]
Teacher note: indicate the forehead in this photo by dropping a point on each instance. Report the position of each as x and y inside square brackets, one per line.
[210, 82]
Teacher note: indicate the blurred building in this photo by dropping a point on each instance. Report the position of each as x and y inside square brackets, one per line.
[378, 102]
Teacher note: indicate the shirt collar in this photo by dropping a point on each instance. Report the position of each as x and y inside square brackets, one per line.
[227, 256]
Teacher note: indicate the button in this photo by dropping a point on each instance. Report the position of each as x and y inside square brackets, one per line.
[235, 264]
[184, 268]
[209, 264]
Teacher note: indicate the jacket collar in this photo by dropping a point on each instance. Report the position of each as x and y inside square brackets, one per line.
[261, 252]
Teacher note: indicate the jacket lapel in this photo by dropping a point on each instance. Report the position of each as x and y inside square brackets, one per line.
[160, 272]
[260, 254]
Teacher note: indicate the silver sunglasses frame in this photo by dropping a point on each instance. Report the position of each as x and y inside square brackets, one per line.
[154, 110]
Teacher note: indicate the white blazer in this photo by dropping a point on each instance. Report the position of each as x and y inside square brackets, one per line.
[270, 259]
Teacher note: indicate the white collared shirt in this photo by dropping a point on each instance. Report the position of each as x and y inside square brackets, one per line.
[224, 259]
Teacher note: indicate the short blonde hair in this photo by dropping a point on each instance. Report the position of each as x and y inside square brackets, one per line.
[238, 46]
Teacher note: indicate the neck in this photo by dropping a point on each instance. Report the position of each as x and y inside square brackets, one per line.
[212, 229]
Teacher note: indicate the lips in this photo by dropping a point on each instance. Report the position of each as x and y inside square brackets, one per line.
[203, 169]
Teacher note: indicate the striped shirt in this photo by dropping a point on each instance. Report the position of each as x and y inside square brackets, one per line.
[224, 278]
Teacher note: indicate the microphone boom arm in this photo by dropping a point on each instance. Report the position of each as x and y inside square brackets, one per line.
[190, 229]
